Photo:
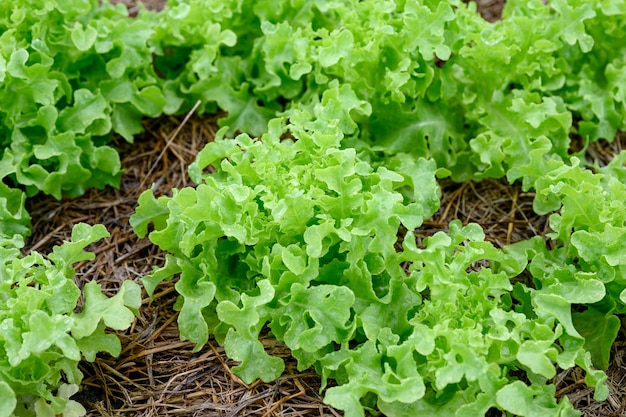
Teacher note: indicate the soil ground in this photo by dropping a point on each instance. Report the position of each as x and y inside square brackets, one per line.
[157, 374]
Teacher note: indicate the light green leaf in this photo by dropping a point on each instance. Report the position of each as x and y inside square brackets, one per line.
[538, 355]
[149, 210]
[607, 246]
[88, 109]
[196, 294]
[99, 341]
[461, 363]
[117, 312]
[532, 401]
[318, 316]
[550, 307]
[294, 259]
[7, 400]
[425, 29]
[83, 38]
[255, 362]
[571, 26]
[72, 408]
[73, 251]
[14, 219]
[150, 101]
[45, 331]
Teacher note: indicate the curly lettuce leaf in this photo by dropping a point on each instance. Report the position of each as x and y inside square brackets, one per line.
[14, 219]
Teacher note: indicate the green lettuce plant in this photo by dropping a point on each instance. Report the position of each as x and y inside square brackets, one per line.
[45, 333]
[301, 237]
[70, 74]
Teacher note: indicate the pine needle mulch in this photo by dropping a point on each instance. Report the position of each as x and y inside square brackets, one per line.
[158, 375]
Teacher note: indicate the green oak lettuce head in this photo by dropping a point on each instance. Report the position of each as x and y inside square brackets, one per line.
[42, 336]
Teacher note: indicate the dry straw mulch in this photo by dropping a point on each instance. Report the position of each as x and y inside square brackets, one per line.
[157, 374]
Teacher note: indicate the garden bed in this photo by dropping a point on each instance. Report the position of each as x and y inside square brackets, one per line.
[157, 374]
[160, 373]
